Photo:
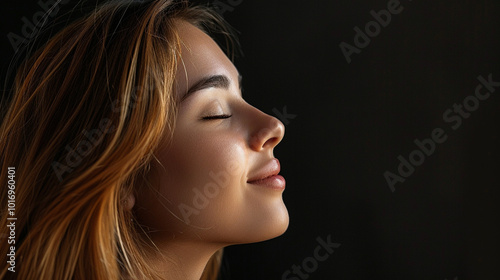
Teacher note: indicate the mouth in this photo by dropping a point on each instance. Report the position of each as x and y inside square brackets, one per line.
[268, 176]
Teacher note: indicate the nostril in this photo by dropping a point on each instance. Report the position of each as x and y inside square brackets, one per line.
[272, 142]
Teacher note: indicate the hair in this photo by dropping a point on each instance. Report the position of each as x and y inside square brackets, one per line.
[84, 118]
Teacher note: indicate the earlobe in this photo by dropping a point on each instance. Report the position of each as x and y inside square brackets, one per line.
[129, 202]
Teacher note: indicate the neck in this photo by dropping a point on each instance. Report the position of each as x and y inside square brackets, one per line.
[182, 260]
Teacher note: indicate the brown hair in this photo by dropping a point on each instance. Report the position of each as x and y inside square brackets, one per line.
[81, 128]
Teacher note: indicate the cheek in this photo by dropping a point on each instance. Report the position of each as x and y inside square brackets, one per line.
[204, 177]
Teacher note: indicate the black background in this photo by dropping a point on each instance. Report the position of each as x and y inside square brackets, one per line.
[352, 122]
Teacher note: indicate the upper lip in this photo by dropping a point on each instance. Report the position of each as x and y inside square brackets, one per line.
[272, 168]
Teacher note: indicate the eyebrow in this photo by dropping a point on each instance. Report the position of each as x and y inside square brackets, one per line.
[215, 81]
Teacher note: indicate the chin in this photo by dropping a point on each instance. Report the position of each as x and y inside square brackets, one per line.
[266, 228]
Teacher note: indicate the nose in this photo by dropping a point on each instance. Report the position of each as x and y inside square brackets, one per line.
[267, 131]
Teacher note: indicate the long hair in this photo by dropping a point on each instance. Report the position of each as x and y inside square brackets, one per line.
[78, 134]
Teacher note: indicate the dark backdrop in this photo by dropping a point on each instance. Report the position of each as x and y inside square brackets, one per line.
[349, 123]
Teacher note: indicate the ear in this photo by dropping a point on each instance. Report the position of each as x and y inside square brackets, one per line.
[129, 202]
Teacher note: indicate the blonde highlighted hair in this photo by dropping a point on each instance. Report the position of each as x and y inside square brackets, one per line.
[84, 118]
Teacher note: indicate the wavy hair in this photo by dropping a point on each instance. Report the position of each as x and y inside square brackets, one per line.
[84, 118]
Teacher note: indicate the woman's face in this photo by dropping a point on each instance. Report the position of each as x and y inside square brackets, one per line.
[205, 184]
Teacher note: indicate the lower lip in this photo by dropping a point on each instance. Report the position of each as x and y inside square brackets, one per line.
[276, 182]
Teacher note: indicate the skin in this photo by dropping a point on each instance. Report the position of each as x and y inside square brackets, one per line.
[185, 224]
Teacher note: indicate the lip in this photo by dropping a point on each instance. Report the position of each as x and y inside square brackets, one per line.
[268, 176]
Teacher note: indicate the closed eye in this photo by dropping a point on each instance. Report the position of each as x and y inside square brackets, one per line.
[216, 117]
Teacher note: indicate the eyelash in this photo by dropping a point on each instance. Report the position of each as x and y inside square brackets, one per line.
[216, 117]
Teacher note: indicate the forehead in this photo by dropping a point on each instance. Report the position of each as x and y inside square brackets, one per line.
[200, 57]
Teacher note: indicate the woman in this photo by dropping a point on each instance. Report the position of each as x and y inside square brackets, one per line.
[131, 152]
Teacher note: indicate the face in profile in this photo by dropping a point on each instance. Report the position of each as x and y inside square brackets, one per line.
[216, 178]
